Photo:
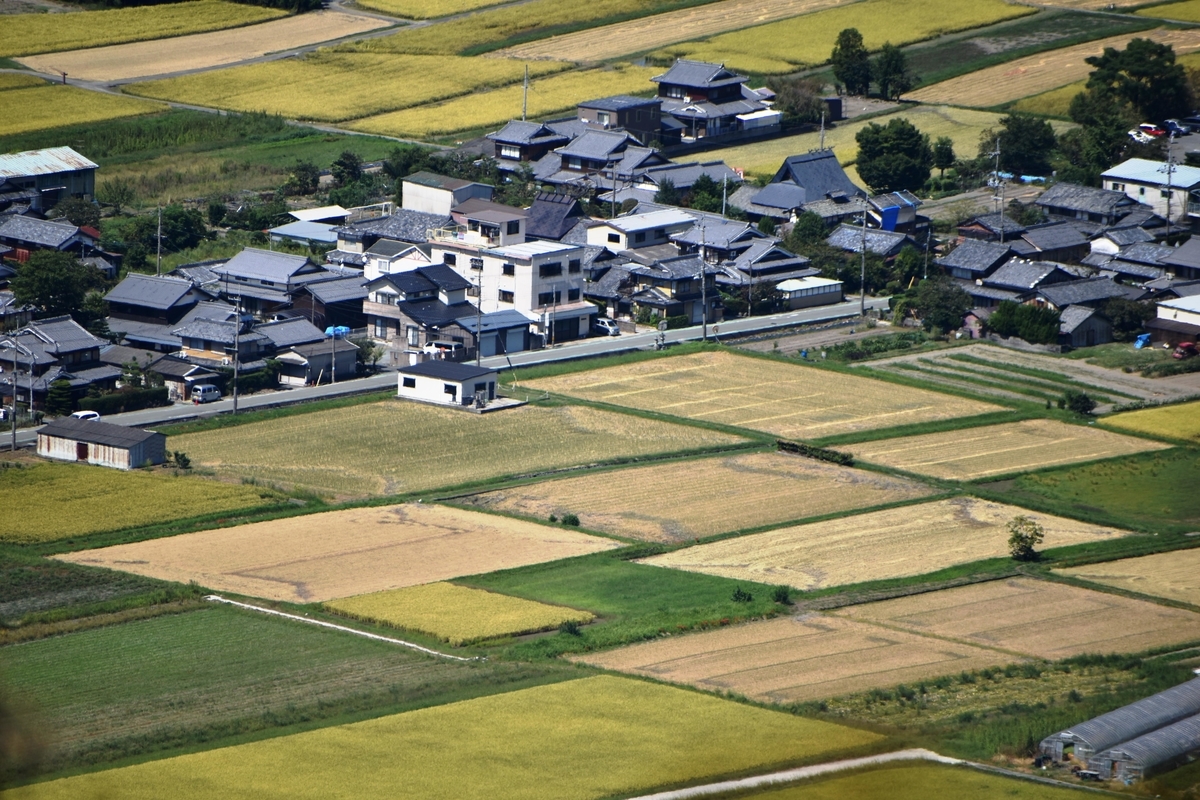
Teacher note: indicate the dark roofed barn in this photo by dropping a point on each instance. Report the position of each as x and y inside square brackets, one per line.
[100, 443]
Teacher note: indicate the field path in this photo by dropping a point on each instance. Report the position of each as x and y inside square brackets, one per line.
[1039, 73]
[638, 35]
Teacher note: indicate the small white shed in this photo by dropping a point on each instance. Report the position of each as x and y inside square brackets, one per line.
[101, 443]
[446, 383]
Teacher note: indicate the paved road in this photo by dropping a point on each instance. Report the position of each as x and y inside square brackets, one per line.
[564, 352]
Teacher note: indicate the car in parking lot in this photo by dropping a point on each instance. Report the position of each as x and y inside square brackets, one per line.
[605, 327]
[90, 416]
[1151, 130]
[1140, 136]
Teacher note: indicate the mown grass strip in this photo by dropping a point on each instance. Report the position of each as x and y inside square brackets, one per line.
[1040, 374]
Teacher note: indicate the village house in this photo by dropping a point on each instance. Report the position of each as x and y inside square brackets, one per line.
[61, 350]
[974, 259]
[153, 299]
[446, 383]
[43, 178]
[26, 235]
[101, 443]
[1083, 326]
[639, 116]
[402, 225]
[1070, 201]
[1173, 195]
[640, 230]
[429, 193]
[709, 101]
[521, 141]
[418, 306]
[1177, 320]
[318, 362]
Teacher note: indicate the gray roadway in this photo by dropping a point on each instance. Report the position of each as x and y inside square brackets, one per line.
[565, 352]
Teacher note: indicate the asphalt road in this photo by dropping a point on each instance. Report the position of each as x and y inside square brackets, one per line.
[585, 348]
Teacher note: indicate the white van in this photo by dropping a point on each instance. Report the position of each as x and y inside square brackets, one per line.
[205, 393]
[90, 416]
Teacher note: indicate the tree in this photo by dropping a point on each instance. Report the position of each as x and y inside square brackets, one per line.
[941, 303]
[92, 313]
[117, 192]
[851, 62]
[369, 351]
[767, 225]
[705, 195]
[347, 168]
[894, 157]
[53, 282]
[1101, 139]
[216, 212]
[943, 154]
[305, 177]
[1128, 317]
[667, 194]
[77, 211]
[1026, 214]
[799, 99]
[1026, 143]
[1031, 323]
[809, 229]
[1077, 402]
[1023, 536]
[907, 267]
[59, 401]
[1146, 76]
[890, 70]
[182, 228]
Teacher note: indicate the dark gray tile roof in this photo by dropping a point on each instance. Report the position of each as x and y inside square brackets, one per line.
[782, 196]
[685, 175]
[768, 257]
[174, 367]
[339, 290]
[1054, 237]
[1084, 198]
[1072, 317]
[1097, 260]
[819, 173]
[676, 268]
[987, 292]
[597, 145]
[997, 222]
[431, 179]
[495, 320]
[1088, 290]
[323, 347]
[850, 238]
[42, 232]
[608, 285]
[518, 132]
[116, 355]
[288, 332]
[1146, 253]
[620, 102]
[435, 313]
[724, 234]
[150, 291]
[63, 335]
[346, 258]
[1123, 237]
[686, 110]
[387, 248]
[976, 256]
[1021, 275]
[1186, 255]
[218, 332]
[552, 215]
[102, 433]
[403, 225]
[257, 264]
[698, 74]
[444, 278]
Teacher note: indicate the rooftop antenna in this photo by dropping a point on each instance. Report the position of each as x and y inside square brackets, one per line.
[525, 95]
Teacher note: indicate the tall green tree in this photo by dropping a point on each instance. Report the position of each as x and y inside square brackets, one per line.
[851, 62]
[1026, 144]
[77, 211]
[1146, 76]
[667, 194]
[941, 303]
[55, 283]
[943, 154]
[894, 157]
[891, 73]
[59, 401]
[809, 229]
[1101, 139]
[347, 168]
[798, 99]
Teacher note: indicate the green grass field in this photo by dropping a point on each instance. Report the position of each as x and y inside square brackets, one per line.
[576, 740]
[32, 587]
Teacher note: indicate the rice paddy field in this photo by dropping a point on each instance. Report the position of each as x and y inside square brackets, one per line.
[878, 545]
[10, 80]
[781, 47]
[522, 744]
[1170, 422]
[796, 659]
[202, 50]
[675, 502]
[1035, 618]
[456, 614]
[345, 553]
[995, 450]
[394, 447]
[786, 400]
[1054, 103]
[1187, 11]
[53, 105]
[1174, 575]
[425, 9]
[49, 502]
[27, 34]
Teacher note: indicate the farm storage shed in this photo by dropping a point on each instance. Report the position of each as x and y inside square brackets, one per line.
[1126, 723]
[446, 383]
[1133, 759]
[101, 443]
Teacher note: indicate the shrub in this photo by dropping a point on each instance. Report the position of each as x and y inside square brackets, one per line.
[570, 628]
[126, 400]
[1078, 402]
[678, 321]
[819, 453]
[740, 595]
[570, 519]
[782, 595]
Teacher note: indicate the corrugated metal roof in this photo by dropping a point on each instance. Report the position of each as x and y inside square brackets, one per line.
[82, 430]
[1159, 746]
[318, 214]
[1154, 173]
[43, 162]
[1135, 719]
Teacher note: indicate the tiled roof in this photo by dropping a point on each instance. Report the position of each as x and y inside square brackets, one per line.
[685, 175]
[258, 264]
[1088, 290]
[64, 335]
[403, 225]
[444, 278]
[1147, 253]
[42, 232]
[288, 332]
[999, 222]
[323, 347]
[434, 313]
[1072, 317]
[698, 74]
[150, 291]
[338, 290]
[1022, 275]
[1186, 255]
[850, 238]
[595, 145]
[552, 215]
[975, 256]
[433, 180]
[819, 173]
[1054, 237]
[1083, 198]
[619, 102]
[782, 196]
[1122, 237]
[518, 132]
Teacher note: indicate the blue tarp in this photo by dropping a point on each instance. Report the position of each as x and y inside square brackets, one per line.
[1141, 341]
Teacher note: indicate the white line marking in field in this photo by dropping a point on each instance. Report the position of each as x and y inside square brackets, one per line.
[214, 598]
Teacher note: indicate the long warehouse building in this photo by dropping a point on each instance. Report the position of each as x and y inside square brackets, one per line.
[1132, 760]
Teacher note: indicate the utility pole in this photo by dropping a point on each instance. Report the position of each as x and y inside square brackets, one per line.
[1169, 168]
[703, 289]
[862, 281]
[1000, 186]
[158, 264]
[724, 193]
[237, 349]
[822, 146]
[479, 318]
[928, 241]
[333, 356]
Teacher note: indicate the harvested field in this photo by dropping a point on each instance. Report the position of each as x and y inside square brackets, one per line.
[1176, 422]
[895, 543]
[675, 502]
[1037, 618]
[524, 744]
[456, 614]
[1094, 5]
[1054, 103]
[204, 50]
[968, 455]
[794, 659]
[636, 36]
[1175, 575]
[394, 447]
[53, 105]
[786, 400]
[1039, 73]
[425, 9]
[345, 553]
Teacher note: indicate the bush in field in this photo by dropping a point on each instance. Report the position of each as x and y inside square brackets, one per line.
[1078, 402]
[1033, 324]
[1024, 535]
[740, 595]
[782, 595]
[570, 519]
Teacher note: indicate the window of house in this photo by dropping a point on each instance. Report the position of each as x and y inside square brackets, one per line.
[674, 91]
[574, 162]
[573, 265]
[450, 389]
[509, 269]
[513, 227]
[410, 383]
[638, 115]
[660, 233]
[506, 297]
[477, 263]
[639, 237]
[413, 336]
[449, 258]
[1118, 187]
[381, 329]
[614, 238]
[268, 283]
[1166, 193]
[1141, 191]
[602, 117]
[550, 269]
[549, 298]
[572, 295]
[510, 151]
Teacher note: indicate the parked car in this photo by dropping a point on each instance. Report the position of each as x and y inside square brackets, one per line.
[1151, 130]
[450, 351]
[1140, 136]
[605, 327]
[1184, 350]
[1176, 127]
[205, 393]
[90, 416]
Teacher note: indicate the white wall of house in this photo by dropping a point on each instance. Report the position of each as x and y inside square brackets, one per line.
[428, 199]
[529, 284]
[1153, 195]
[1185, 309]
[443, 392]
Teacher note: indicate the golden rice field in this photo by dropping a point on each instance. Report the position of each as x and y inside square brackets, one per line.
[13, 81]
[202, 50]
[1054, 103]
[675, 502]
[1094, 5]
[425, 9]
[26, 34]
[456, 614]
[1174, 422]
[321, 557]
[332, 85]
[495, 107]
[395, 447]
[48, 502]
[1037, 618]
[993, 450]
[1187, 11]
[1175, 575]
[781, 47]
[636, 36]
[894, 543]
[796, 659]
[1041, 72]
[53, 105]
[783, 399]
[523, 745]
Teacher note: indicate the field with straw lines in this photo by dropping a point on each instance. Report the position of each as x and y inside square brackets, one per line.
[795, 659]
[783, 399]
[1175, 422]
[395, 447]
[425, 9]
[493, 108]
[27, 34]
[456, 614]
[519, 745]
[53, 105]
[1175, 576]
[1037, 618]
[345, 553]
[999, 449]
[332, 85]
[1039, 73]
[657, 503]
[781, 47]
[202, 50]
[48, 502]
[1057, 102]
[894, 543]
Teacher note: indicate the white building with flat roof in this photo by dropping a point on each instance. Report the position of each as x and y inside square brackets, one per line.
[1148, 182]
[640, 230]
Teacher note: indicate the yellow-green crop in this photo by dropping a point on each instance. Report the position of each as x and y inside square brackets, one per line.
[426, 9]
[1173, 422]
[53, 105]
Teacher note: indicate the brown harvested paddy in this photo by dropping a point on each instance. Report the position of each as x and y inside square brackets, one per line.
[345, 553]
[794, 659]
[968, 455]
[1037, 618]
[784, 399]
[203, 50]
[686, 500]
[1023, 77]
[1175, 575]
[894, 543]
[396, 446]
[640, 35]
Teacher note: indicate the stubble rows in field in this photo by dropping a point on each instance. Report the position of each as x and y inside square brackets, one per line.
[1175, 575]
[345, 553]
[878, 545]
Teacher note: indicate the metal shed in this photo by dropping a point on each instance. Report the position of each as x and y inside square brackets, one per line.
[1126, 723]
[101, 443]
[1131, 760]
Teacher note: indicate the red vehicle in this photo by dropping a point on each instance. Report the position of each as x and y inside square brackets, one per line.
[1185, 350]
[1151, 130]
